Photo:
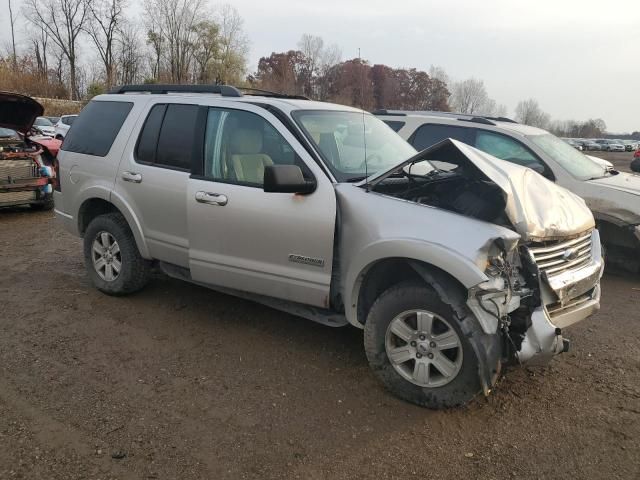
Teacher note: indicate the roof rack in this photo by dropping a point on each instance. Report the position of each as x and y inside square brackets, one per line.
[267, 93]
[224, 90]
[464, 117]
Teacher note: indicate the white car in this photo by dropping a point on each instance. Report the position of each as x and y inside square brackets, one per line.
[63, 125]
[44, 126]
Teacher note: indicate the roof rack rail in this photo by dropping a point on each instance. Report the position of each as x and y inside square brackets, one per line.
[267, 93]
[224, 90]
[502, 119]
[483, 120]
[389, 112]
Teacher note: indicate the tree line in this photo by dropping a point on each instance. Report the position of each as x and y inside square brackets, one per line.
[191, 41]
[180, 41]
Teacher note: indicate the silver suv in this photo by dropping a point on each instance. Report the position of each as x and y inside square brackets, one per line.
[322, 211]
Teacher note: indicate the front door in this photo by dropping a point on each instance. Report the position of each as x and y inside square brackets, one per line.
[240, 237]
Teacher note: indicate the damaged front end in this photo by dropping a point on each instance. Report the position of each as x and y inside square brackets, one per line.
[537, 285]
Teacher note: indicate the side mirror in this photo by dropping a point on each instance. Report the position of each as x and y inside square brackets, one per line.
[286, 179]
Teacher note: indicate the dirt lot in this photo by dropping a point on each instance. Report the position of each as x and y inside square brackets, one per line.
[178, 382]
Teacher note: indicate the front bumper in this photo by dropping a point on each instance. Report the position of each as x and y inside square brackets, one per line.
[568, 298]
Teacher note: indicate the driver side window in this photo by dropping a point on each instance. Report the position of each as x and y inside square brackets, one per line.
[239, 145]
[505, 148]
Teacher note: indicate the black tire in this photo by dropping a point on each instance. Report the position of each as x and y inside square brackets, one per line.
[135, 270]
[401, 298]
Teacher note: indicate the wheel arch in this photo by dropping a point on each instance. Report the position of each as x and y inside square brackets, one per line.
[384, 273]
[92, 207]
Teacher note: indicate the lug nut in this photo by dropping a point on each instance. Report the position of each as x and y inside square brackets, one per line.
[413, 344]
[418, 355]
[422, 337]
[430, 355]
[433, 345]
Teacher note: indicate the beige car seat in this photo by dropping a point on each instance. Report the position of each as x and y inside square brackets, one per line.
[246, 161]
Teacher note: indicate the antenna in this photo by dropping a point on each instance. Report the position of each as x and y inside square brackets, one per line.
[364, 127]
[364, 140]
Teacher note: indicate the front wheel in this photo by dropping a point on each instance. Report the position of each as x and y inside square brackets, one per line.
[415, 345]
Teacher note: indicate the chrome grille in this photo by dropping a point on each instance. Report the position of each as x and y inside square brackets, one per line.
[554, 258]
[10, 198]
[17, 169]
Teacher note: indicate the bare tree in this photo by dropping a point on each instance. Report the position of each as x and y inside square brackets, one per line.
[63, 20]
[128, 55]
[205, 48]
[102, 26]
[12, 20]
[175, 21]
[469, 96]
[530, 113]
[234, 46]
[439, 73]
[331, 56]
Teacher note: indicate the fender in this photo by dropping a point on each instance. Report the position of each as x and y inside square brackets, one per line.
[134, 224]
[459, 267]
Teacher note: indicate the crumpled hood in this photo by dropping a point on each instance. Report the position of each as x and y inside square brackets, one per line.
[537, 208]
[18, 112]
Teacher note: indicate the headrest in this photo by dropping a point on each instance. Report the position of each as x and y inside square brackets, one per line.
[246, 141]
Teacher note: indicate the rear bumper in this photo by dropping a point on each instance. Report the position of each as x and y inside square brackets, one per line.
[24, 193]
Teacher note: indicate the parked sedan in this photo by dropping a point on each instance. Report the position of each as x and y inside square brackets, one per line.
[590, 145]
[63, 125]
[631, 145]
[610, 145]
[44, 126]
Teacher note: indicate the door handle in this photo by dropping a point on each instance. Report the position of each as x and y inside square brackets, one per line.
[131, 177]
[211, 198]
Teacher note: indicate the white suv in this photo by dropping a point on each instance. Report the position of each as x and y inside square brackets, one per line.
[322, 211]
[614, 197]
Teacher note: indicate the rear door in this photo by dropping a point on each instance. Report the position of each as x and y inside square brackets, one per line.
[240, 237]
[152, 178]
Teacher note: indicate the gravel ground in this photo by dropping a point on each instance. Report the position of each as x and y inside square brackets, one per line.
[179, 382]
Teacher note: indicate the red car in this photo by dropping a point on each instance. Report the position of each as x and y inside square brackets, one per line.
[635, 163]
[27, 173]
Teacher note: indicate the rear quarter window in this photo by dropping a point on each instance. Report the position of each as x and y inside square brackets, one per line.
[394, 124]
[430, 134]
[96, 128]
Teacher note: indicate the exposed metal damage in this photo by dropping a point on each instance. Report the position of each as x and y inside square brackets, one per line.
[538, 282]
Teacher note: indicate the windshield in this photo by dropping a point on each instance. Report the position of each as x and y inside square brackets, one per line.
[43, 122]
[346, 139]
[568, 157]
[8, 133]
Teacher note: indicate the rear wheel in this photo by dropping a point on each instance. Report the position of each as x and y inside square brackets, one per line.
[415, 345]
[111, 256]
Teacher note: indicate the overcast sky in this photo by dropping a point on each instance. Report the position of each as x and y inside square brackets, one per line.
[579, 59]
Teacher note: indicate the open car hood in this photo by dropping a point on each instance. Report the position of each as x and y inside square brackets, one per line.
[538, 209]
[18, 112]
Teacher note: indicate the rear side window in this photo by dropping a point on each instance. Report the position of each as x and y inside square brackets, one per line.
[68, 120]
[96, 128]
[175, 145]
[428, 135]
[148, 141]
[394, 124]
[167, 137]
